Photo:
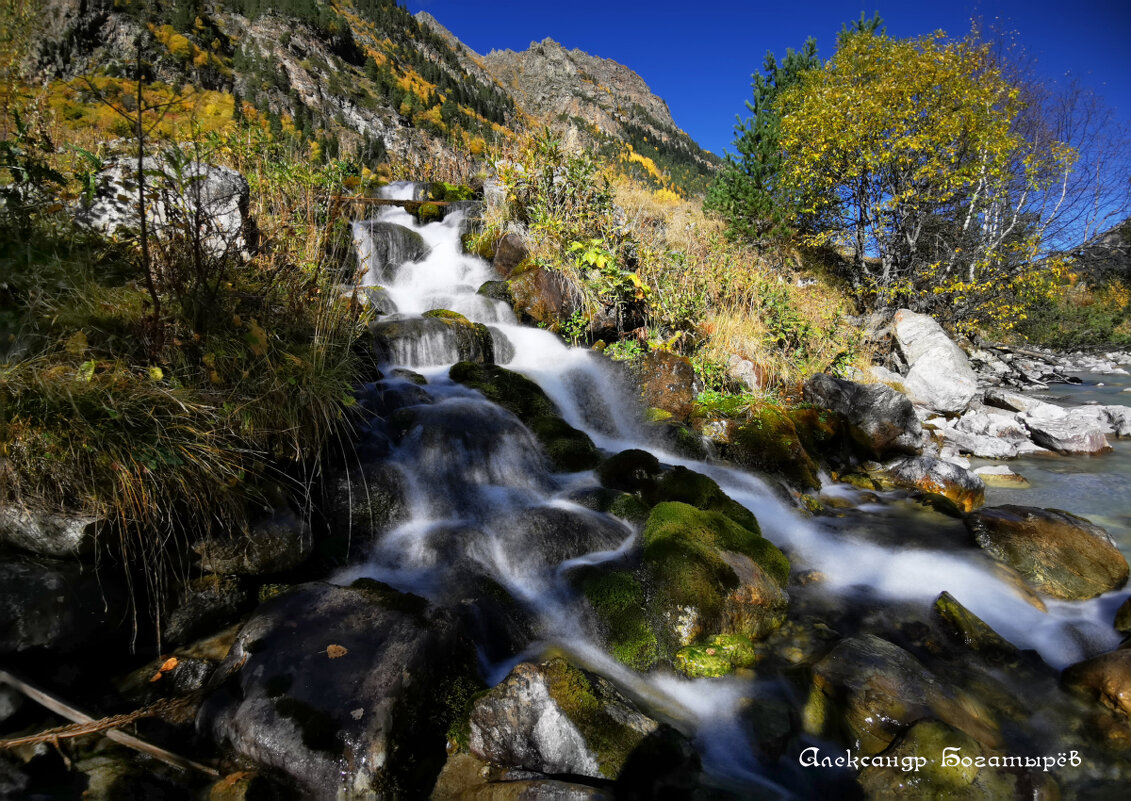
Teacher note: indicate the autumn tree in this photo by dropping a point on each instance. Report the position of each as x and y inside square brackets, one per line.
[744, 191]
[908, 153]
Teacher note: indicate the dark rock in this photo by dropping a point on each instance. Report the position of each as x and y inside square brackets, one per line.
[971, 630]
[880, 420]
[466, 778]
[436, 340]
[383, 247]
[49, 534]
[10, 702]
[936, 477]
[1122, 621]
[667, 382]
[497, 290]
[204, 604]
[377, 298]
[630, 471]
[510, 252]
[1058, 553]
[14, 781]
[869, 691]
[695, 489]
[60, 606]
[271, 546]
[1105, 678]
[362, 503]
[769, 442]
[113, 777]
[343, 690]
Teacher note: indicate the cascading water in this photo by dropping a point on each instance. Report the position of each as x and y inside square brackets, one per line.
[483, 501]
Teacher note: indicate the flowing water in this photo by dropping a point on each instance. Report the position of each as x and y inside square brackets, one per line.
[483, 501]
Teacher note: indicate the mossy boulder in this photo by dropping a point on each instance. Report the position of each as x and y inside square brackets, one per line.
[1105, 678]
[509, 252]
[942, 483]
[711, 575]
[569, 449]
[667, 382]
[703, 492]
[970, 630]
[939, 780]
[624, 505]
[718, 656]
[880, 421]
[618, 600]
[497, 290]
[821, 431]
[556, 719]
[541, 295]
[769, 442]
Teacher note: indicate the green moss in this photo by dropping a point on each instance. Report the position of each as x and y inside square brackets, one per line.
[459, 700]
[654, 415]
[268, 591]
[444, 191]
[702, 492]
[318, 729]
[569, 450]
[817, 429]
[618, 600]
[428, 212]
[611, 741]
[720, 655]
[514, 392]
[770, 442]
[629, 508]
[497, 290]
[969, 629]
[479, 244]
[444, 314]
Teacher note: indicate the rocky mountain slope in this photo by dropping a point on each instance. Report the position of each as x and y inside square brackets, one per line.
[364, 77]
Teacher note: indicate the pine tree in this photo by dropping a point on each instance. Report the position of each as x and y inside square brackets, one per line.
[744, 191]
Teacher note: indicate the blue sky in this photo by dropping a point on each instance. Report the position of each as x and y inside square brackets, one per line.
[699, 56]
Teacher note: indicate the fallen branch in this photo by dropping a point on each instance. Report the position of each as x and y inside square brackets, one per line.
[84, 724]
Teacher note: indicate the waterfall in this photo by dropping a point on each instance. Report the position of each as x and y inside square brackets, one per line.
[485, 503]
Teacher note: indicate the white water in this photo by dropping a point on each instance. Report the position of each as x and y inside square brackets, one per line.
[478, 484]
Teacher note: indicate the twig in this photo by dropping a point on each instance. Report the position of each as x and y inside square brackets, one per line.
[107, 726]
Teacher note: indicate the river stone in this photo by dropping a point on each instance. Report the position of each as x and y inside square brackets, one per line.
[937, 477]
[934, 780]
[880, 420]
[969, 629]
[667, 382]
[49, 534]
[55, 605]
[384, 246]
[271, 546]
[553, 718]
[1012, 401]
[939, 375]
[1105, 678]
[1058, 553]
[362, 503]
[770, 442]
[541, 295]
[203, 605]
[1071, 434]
[432, 341]
[1122, 621]
[869, 691]
[341, 690]
[465, 778]
[1001, 476]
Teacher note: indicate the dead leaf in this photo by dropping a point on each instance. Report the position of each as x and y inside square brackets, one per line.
[156, 677]
[169, 664]
[335, 651]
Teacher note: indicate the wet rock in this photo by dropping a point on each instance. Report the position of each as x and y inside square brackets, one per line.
[627, 627]
[1058, 553]
[60, 606]
[114, 777]
[869, 691]
[1122, 620]
[10, 702]
[711, 576]
[1105, 678]
[270, 546]
[432, 341]
[14, 781]
[204, 604]
[667, 381]
[553, 718]
[569, 449]
[49, 534]
[497, 290]
[465, 778]
[510, 252]
[939, 375]
[244, 786]
[342, 690]
[1001, 476]
[384, 246]
[548, 535]
[937, 477]
[630, 471]
[378, 299]
[541, 295]
[362, 503]
[770, 442]
[938, 780]
[881, 421]
[971, 630]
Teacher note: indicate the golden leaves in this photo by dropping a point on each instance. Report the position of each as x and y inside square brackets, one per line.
[336, 651]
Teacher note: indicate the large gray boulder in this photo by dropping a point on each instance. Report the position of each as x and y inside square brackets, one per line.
[382, 247]
[880, 420]
[178, 196]
[939, 375]
[49, 533]
[342, 690]
[937, 477]
[1065, 431]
